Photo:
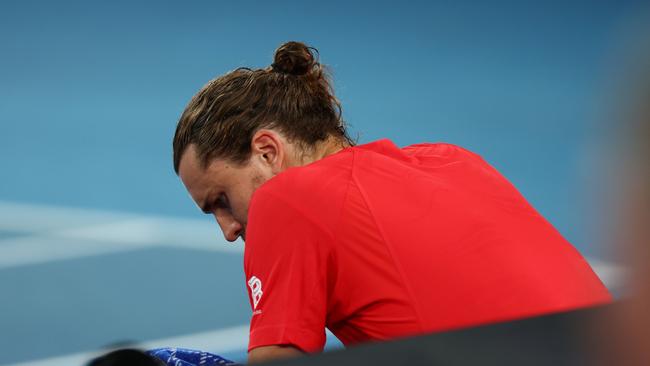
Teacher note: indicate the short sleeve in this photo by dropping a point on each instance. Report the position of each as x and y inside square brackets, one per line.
[285, 262]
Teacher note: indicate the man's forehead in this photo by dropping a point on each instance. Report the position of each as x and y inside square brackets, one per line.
[193, 172]
[189, 167]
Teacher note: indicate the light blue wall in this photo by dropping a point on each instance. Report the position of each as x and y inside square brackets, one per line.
[90, 91]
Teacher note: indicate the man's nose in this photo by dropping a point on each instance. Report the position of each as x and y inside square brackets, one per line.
[230, 227]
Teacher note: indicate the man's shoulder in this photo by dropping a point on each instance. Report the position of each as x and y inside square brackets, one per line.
[440, 149]
[387, 149]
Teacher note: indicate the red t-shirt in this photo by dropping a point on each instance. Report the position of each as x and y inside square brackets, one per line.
[377, 242]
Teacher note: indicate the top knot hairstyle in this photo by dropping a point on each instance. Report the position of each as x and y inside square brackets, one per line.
[293, 95]
[294, 58]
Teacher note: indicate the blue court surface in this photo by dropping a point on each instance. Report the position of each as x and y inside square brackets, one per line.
[100, 246]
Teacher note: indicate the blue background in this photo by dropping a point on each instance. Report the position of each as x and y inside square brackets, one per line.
[90, 93]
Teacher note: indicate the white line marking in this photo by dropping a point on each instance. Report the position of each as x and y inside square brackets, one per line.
[31, 218]
[66, 233]
[37, 250]
[613, 276]
[55, 234]
[181, 233]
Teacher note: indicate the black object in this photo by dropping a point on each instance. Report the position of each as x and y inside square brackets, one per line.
[126, 357]
[558, 340]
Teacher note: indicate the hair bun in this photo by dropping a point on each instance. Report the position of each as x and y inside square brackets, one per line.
[294, 58]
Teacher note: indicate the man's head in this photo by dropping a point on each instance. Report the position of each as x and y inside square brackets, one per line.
[246, 126]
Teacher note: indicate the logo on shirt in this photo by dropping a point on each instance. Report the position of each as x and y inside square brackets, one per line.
[256, 290]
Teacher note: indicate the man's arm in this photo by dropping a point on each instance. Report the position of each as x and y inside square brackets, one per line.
[268, 353]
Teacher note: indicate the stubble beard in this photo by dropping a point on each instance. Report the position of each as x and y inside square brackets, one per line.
[257, 180]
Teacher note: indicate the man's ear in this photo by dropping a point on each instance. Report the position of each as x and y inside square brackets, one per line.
[269, 147]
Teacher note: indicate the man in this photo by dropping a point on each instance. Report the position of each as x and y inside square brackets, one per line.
[374, 241]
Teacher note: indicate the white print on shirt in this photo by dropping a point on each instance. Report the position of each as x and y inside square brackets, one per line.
[256, 290]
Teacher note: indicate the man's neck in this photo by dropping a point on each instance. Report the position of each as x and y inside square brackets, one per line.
[298, 157]
[326, 148]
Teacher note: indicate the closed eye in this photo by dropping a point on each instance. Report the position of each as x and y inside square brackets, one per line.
[222, 202]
